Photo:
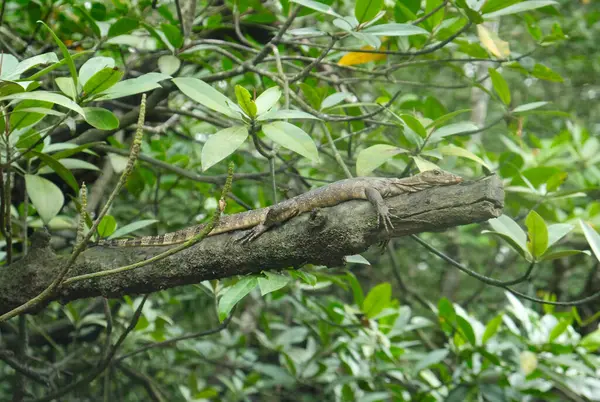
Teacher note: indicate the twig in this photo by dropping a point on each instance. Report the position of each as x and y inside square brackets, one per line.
[173, 341]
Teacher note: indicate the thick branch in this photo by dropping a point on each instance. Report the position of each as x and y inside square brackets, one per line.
[322, 237]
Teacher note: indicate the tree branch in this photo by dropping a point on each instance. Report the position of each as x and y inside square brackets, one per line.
[322, 237]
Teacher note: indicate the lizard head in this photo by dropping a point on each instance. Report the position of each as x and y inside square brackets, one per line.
[440, 177]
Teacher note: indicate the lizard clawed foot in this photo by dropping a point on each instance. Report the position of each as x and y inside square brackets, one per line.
[382, 245]
[385, 216]
[252, 234]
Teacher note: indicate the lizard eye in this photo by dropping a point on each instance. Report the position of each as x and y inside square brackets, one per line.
[437, 172]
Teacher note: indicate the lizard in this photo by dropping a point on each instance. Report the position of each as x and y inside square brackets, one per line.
[373, 189]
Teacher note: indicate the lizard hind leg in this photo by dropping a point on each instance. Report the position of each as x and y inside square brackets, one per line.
[383, 211]
[252, 234]
[277, 214]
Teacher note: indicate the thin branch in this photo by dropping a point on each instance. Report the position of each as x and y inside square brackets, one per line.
[501, 284]
[17, 364]
[429, 14]
[428, 50]
[173, 341]
[217, 179]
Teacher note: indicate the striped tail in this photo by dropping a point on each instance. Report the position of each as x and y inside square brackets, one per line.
[161, 240]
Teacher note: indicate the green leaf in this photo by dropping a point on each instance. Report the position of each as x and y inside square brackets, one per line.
[48, 97]
[377, 299]
[54, 66]
[173, 35]
[500, 86]
[592, 238]
[73, 164]
[14, 73]
[548, 256]
[431, 358]
[122, 26]
[466, 330]
[510, 231]
[65, 84]
[366, 10]
[132, 227]
[523, 252]
[434, 18]
[101, 118]
[168, 64]
[395, 30]
[144, 83]
[272, 282]
[42, 110]
[423, 164]
[446, 314]
[21, 118]
[357, 291]
[452, 129]
[267, 100]
[45, 196]
[27, 140]
[545, 73]
[293, 138]
[555, 181]
[65, 53]
[591, 341]
[9, 64]
[107, 226]
[559, 329]
[495, 5]
[529, 106]
[414, 125]
[449, 116]
[305, 277]
[58, 167]
[491, 329]
[222, 144]
[311, 95]
[286, 114]
[83, 14]
[334, 99]
[458, 394]
[64, 150]
[474, 16]
[557, 232]
[206, 95]
[520, 7]
[102, 80]
[9, 88]
[453, 150]
[320, 7]
[244, 99]
[356, 259]
[371, 158]
[234, 294]
[537, 234]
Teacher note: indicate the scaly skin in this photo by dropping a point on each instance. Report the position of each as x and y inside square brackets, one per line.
[373, 189]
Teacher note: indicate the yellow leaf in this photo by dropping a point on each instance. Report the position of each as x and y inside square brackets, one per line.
[353, 58]
[492, 42]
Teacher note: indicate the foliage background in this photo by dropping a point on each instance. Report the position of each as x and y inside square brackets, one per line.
[517, 97]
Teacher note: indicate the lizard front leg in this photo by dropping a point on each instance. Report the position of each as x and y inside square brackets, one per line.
[383, 212]
[276, 215]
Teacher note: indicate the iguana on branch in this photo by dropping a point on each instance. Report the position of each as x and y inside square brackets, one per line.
[373, 189]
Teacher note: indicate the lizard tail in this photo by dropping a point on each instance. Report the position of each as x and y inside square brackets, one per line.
[161, 240]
